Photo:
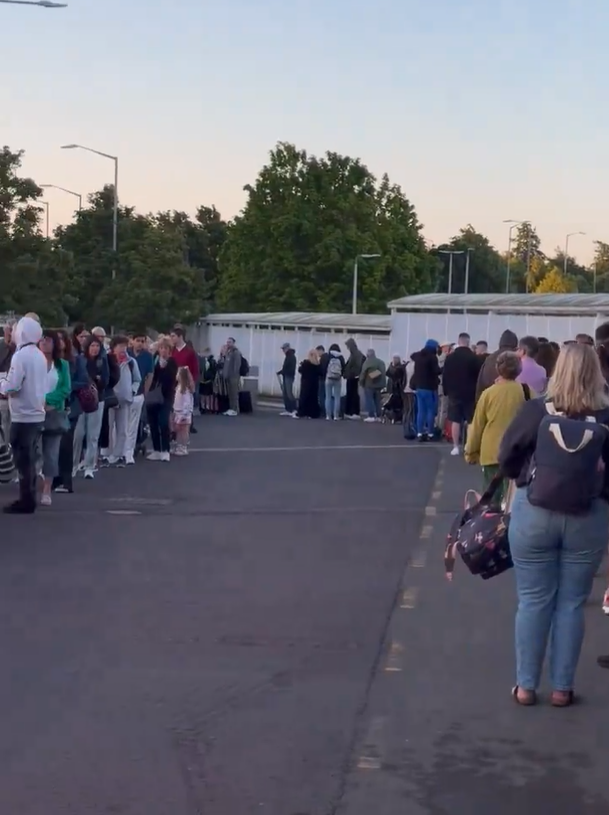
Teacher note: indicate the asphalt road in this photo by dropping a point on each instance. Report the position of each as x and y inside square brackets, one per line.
[264, 628]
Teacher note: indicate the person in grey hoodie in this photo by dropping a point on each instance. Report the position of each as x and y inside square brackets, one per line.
[488, 373]
[25, 387]
[353, 369]
[231, 373]
[125, 391]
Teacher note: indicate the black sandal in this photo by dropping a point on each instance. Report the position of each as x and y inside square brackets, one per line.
[566, 698]
[526, 701]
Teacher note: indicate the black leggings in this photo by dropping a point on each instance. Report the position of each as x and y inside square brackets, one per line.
[158, 420]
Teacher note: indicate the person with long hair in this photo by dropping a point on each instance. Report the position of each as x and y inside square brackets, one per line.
[557, 450]
[183, 406]
[159, 401]
[59, 386]
[64, 480]
[308, 400]
[88, 425]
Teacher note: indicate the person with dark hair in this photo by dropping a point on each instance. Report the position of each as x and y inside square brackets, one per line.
[183, 353]
[532, 374]
[160, 401]
[601, 335]
[7, 349]
[459, 379]
[488, 373]
[324, 359]
[333, 382]
[351, 373]
[546, 357]
[88, 425]
[59, 387]
[425, 381]
[584, 339]
[79, 335]
[125, 391]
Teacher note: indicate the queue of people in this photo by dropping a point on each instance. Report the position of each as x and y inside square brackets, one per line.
[74, 402]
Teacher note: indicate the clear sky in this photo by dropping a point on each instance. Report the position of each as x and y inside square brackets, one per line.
[482, 110]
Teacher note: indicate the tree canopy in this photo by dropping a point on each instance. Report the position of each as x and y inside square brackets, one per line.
[306, 221]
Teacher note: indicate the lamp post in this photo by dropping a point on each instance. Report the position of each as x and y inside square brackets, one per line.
[466, 287]
[46, 205]
[63, 189]
[42, 3]
[450, 253]
[115, 209]
[566, 258]
[355, 273]
[514, 223]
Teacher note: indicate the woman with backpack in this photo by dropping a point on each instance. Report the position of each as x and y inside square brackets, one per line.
[334, 376]
[557, 450]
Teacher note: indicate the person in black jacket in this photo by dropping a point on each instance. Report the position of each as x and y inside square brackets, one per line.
[159, 401]
[287, 375]
[459, 380]
[324, 358]
[425, 381]
[559, 517]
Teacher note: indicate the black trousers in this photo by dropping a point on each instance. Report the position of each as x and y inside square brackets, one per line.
[66, 459]
[352, 398]
[158, 421]
[25, 441]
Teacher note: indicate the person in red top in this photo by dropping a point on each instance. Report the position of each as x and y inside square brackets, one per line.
[184, 355]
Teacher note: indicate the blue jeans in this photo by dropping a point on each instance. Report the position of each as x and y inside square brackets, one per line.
[373, 402]
[555, 559]
[333, 388]
[427, 409]
[287, 391]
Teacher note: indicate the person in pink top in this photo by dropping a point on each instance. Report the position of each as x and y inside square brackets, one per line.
[532, 374]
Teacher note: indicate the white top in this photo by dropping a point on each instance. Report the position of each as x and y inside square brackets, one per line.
[52, 378]
[26, 383]
[183, 403]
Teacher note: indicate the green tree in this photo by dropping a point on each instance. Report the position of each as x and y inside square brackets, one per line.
[486, 266]
[555, 282]
[600, 266]
[527, 244]
[305, 222]
[581, 276]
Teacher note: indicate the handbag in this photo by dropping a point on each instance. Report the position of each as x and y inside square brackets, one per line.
[55, 422]
[479, 535]
[374, 374]
[154, 397]
[7, 462]
[88, 398]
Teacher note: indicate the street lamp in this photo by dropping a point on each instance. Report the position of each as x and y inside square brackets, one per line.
[355, 270]
[468, 250]
[63, 189]
[513, 226]
[46, 205]
[115, 210]
[43, 3]
[566, 257]
[450, 253]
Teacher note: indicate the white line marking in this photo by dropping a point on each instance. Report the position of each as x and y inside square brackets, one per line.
[409, 598]
[426, 531]
[123, 512]
[373, 745]
[394, 658]
[419, 560]
[436, 494]
[300, 449]
[430, 511]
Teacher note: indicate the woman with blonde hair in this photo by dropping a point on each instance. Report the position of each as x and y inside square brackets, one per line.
[557, 450]
[310, 372]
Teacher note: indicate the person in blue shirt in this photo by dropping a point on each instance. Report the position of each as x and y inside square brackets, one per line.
[145, 362]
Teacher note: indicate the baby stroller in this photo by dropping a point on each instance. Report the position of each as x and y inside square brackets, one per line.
[143, 432]
[409, 416]
[392, 408]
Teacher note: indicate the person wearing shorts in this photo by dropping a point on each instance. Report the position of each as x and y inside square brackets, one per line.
[459, 380]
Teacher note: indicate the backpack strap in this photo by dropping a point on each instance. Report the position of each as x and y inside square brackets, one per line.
[557, 433]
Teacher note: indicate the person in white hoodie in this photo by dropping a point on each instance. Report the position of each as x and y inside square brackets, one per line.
[25, 387]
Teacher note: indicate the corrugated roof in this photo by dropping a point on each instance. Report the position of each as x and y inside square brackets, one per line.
[306, 319]
[512, 303]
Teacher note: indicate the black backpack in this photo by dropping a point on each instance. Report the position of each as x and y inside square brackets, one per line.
[566, 472]
[244, 368]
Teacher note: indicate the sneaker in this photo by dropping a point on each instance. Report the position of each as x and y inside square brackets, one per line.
[231, 413]
[337, 418]
[456, 452]
[421, 437]
[328, 418]
[605, 605]
[129, 460]
[104, 461]
[285, 413]
[181, 450]
[63, 489]
[370, 419]
[154, 456]
[165, 457]
[121, 462]
[45, 500]
[89, 475]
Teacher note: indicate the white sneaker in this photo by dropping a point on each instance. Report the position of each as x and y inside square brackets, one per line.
[154, 456]
[89, 474]
[285, 413]
[328, 418]
[231, 413]
[45, 500]
[606, 602]
[181, 451]
[113, 460]
[130, 460]
[165, 457]
[295, 416]
[455, 451]
[370, 419]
